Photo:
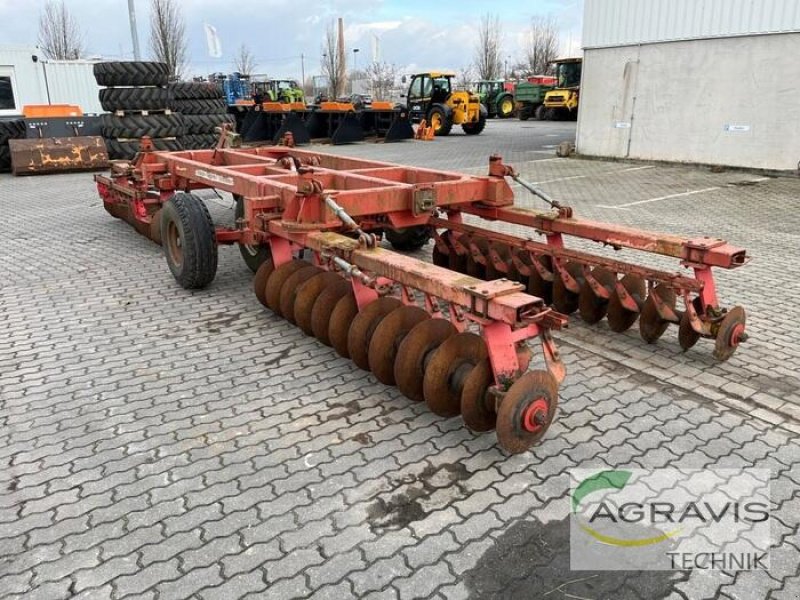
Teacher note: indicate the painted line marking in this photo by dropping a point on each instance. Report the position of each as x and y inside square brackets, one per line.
[593, 174]
[669, 197]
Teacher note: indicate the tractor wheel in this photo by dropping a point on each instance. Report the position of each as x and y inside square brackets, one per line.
[475, 128]
[253, 256]
[130, 73]
[440, 119]
[189, 240]
[137, 126]
[408, 239]
[541, 113]
[205, 124]
[505, 106]
[134, 98]
[200, 106]
[192, 90]
[524, 113]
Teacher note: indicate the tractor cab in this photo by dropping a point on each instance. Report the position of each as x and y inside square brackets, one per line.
[568, 73]
[499, 101]
[562, 102]
[431, 96]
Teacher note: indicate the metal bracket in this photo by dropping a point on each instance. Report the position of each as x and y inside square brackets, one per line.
[424, 200]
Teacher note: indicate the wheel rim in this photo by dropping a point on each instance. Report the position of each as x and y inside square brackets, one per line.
[174, 244]
[506, 107]
[436, 122]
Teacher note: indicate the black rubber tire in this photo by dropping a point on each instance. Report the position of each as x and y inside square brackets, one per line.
[475, 128]
[409, 239]
[130, 73]
[11, 129]
[194, 90]
[203, 106]
[446, 116]
[137, 126]
[499, 103]
[134, 98]
[193, 226]
[5, 159]
[200, 124]
[540, 113]
[524, 113]
[201, 141]
[254, 256]
[126, 150]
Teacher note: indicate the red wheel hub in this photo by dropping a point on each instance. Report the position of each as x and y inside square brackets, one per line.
[736, 334]
[534, 418]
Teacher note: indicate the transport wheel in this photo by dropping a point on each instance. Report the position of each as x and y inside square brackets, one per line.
[593, 308]
[260, 280]
[537, 285]
[620, 318]
[564, 300]
[130, 73]
[447, 371]
[342, 317]
[540, 114]
[155, 227]
[289, 289]
[475, 128]
[254, 256]
[323, 309]
[730, 333]
[189, 240]
[651, 325]
[363, 327]
[415, 352]
[409, 239]
[440, 121]
[477, 409]
[526, 411]
[388, 336]
[134, 98]
[687, 336]
[277, 279]
[306, 296]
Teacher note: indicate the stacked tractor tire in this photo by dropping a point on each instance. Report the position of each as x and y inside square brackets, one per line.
[204, 110]
[11, 129]
[138, 102]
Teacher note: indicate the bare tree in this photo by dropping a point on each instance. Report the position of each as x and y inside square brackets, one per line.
[60, 36]
[168, 43]
[381, 77]
[487, 48]
[244, 62]
[464, 78]
[541, 46]
[333, 66]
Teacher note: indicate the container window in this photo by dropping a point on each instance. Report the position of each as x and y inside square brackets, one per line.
[6, 94]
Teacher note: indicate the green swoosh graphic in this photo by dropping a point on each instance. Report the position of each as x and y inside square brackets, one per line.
[603, 480]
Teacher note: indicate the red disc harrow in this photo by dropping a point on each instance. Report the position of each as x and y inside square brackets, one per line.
[454, 333]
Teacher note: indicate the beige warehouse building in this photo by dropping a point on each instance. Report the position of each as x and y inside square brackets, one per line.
[701, 81]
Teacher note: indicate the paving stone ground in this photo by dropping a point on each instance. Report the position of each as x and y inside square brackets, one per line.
[160, 443]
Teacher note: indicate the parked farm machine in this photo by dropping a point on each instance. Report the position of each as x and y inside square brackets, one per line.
[454, 333]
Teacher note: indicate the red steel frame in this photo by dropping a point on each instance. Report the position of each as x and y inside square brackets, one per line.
[285, 192]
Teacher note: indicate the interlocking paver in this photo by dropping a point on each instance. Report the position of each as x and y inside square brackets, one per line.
[161, 443]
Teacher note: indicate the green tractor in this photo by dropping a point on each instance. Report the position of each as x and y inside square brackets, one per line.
[285, 91]
[499, 102]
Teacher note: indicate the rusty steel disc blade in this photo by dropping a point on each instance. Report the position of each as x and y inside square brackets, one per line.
[458, 262]
[440, 259]
[475, 269]
[564, 300]
[276, 280]
[651, 325]
[386, 340]
[533, 387]
[364, 325]
[307, 294]
[687, 336]
[477, 408]
[620, 318]
[593, 308]
[260, 280]
[730, 332]
[538, 286]
[415, 351]
[290, 287]
[323, 309]
[447, 369]
[155, 227]
[339, 323]
[504, 253]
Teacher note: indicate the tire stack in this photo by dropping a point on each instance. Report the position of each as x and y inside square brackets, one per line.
[12, 129]
[203, 108]
[138, 99]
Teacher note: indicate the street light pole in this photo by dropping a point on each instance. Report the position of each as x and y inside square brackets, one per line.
[352, 77]
[134, 33]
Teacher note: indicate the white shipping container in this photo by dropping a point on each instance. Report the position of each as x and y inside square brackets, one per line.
[26, 77]
[610, 23]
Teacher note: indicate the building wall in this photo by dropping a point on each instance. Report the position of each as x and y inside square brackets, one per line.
[729, 101]
[66, 82]
[625, 22]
